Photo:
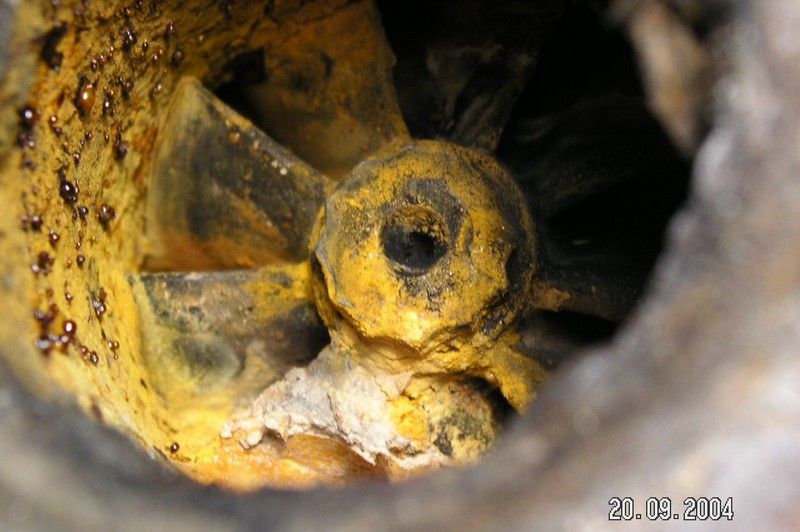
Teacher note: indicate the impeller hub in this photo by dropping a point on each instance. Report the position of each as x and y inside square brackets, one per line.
[430, 246]
[421, 260]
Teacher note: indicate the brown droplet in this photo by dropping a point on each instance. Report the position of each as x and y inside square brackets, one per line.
[128, 34]
[93, 358]
[175, 447]
[27, 163]
[25, 139]
[70, 328]
[85, 96]
[99, 305]
[45, 343]
[66, 189]
[105, 215]
[177, 57]
[43, 263]
[120, 148]
[53, 237]
[169, 30]
[113, 345]
[79, 260]
[68, 296]
[32, 223]
[28, 117]
[45, 318]
[127, 88]
[76, 157]
[108, 104]
[83, 211]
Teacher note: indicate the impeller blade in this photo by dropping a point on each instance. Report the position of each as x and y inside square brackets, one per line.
[552, 337]
[245, 326]
[602, 181]
[562, 159]
[223, 194]
[460, 80]
[484, 104]
[516, 374]
[589, 288]
[329, 93]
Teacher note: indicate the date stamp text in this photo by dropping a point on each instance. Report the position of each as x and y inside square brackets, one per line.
[662, 509]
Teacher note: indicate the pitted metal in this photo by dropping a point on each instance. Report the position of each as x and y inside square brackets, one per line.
[421, 262]
[437, 237]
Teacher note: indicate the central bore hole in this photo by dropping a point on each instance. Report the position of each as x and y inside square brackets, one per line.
[414, 240]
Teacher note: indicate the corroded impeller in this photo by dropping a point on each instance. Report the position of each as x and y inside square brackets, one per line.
[419, 256]
[421, 260]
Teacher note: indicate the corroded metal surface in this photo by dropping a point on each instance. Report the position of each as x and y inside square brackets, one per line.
[329, 93]
[136, 165]
[437, 235]
[83, 101]
[696, 395]
[439, 238]
[214, 322]
[222, 193]
[89, 170]
[211, 338]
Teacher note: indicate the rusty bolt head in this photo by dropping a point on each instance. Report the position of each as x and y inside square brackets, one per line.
[427, 246]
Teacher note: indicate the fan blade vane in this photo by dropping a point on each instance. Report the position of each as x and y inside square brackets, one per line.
[329, 93]
[240, 329]
[223, 194]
